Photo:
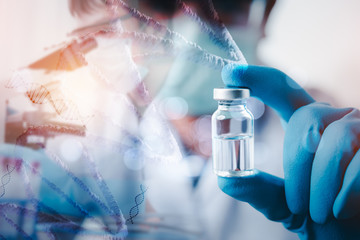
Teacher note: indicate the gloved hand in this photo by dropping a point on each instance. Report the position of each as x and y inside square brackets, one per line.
[319, 197]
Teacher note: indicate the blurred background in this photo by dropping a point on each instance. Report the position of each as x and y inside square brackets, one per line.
[314, 42]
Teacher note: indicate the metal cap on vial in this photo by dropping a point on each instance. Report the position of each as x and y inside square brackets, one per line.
[231, 93]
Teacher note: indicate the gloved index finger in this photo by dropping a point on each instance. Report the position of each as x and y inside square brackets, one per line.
[272, 86]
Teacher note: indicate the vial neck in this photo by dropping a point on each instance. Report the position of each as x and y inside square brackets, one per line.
[236, 104]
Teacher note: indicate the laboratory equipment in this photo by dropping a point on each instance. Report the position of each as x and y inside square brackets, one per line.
[232, 133]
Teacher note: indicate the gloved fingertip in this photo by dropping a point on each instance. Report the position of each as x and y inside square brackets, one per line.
[346, 204]
[339, 211]
[296, 205]
[342, 213]
[320, 214]
[232, 74]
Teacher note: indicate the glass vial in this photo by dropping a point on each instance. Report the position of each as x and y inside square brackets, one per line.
[232, 133]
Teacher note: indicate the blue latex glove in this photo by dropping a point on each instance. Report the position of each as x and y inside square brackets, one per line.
[320, 195]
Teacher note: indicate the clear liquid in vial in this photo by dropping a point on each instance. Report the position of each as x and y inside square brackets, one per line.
[233, 156]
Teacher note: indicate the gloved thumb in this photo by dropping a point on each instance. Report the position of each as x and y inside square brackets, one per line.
[262, 191]
[272, 86]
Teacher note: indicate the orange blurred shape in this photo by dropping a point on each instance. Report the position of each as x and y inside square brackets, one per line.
[69, 58]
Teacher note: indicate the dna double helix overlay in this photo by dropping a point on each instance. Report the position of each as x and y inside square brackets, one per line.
[216, 31]
[40, 94]
[65, 108]
[139, 199]
[5, 179]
